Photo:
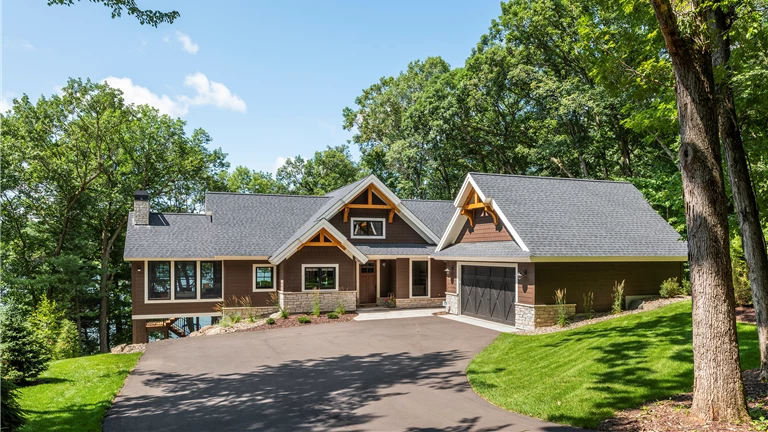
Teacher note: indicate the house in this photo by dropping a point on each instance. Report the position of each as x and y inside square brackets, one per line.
[498, 251]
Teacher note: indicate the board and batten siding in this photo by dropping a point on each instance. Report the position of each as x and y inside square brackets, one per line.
[578, 278]
[397, 232]
[483, 231]
[292, 271]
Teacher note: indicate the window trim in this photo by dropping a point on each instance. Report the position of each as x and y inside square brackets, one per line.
[274, 278]
[200, 280]
[145, 270]
[364, 237]
[410, 278]
[304, 275]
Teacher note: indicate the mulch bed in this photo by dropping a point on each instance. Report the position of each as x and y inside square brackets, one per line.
[292, 321]
[673, 414]
[745, 314]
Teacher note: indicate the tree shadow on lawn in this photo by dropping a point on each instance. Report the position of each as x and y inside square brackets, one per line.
[628, 377]
[315, 394]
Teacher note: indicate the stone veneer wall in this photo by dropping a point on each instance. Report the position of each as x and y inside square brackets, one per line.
[426, 302]
[245, 312]
[529, 317]
[301, 302]
[452, 303]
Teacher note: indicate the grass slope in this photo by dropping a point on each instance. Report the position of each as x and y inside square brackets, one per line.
[74, 394]
[582, 376]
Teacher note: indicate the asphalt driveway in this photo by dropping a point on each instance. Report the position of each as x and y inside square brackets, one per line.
[401, 374]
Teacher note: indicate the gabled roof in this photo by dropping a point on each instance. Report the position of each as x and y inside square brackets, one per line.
[557, 217]
[435, 214]
[497, 249]
[170, 235]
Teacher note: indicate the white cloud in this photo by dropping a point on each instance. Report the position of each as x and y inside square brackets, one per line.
[20, 44]
[5, 104]
[136, 94]
[280, 161]
[186, 43]
[212, 93]
[207, 93]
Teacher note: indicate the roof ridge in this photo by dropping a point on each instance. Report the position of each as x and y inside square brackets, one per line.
[176, 213]
[551, 178]
[426, 200]
[263, 194]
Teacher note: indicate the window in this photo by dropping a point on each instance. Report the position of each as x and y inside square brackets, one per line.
[210, 279]
[185, 273]
[263, 278]
[322, 277]
[159, 280]
[368, 228]
[419, 278]
[369, 267]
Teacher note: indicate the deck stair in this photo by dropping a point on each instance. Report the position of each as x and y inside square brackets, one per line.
[167, 326]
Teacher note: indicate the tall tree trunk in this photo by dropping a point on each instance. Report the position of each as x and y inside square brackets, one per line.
[718, 391]
[741, 185]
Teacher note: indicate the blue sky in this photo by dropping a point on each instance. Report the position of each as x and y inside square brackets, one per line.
[267, 80]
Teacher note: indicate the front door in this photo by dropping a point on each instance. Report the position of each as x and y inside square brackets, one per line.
[368, 282]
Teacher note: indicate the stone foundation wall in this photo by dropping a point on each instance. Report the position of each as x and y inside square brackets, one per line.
[301, 302]
[529, 317]
[245, 312]
[452, 303]
[411, 303]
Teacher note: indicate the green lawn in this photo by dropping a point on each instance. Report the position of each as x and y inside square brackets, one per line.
[74, 394]
[582, 376]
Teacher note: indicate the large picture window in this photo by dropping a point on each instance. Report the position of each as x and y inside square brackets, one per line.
[419, 278]
[321, 277]
[185, 273]
[263, 278]
[368, 228]
[210, 279]
[159, 280]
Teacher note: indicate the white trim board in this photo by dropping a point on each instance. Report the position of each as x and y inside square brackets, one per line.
[274, 278]
[459, 264]
[291, 249]
[410, 278]
[185, 315]
[352, 221]
[198, 291]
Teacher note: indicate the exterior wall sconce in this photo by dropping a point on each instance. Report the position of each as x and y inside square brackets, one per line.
[522, 273]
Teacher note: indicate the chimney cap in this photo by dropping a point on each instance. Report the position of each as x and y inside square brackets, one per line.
[141, 195]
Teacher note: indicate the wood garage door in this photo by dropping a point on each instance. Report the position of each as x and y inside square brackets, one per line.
[489, 292]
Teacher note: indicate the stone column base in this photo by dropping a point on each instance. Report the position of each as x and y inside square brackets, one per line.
[529, 317]
[452, 303]
[302, 302]
[426, 302]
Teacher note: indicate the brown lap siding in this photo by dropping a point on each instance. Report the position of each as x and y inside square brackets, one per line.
[483, 231]
[641, 278]
[291, 268]
[402, 281]
[526, 283]
[437, 282]
[238, 281]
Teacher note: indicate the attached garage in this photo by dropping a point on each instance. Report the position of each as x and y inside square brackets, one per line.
[488, 292]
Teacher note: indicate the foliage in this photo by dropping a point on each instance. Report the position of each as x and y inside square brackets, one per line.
[67, 342]
[562, 313]
[270, 321]
[671, 288]
[340, 309]
[12, 417]
[316, 303]
[24, 354]
[332, 315]
[275, 300]
[595, 374]
[618, 297]
[589, 300]
[304, 319]
[244, 180]
[59, 335]
[75, 394]
[391, 301]
[329, 169]
[740, 275]
[145, 16]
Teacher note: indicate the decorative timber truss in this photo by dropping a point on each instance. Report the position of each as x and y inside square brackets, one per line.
[323, 238]
[370, 190]
[473, 203]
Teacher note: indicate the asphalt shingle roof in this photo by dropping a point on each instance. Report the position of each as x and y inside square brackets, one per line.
[396, 249]
[499, 249]
[436, 215]
[569, 217]
[170, 235]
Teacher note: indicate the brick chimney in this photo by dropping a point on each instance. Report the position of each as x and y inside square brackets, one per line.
[141, 208]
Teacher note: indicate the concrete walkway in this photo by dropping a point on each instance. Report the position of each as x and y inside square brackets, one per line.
[387, 313]
[490, 325]
[394, 375]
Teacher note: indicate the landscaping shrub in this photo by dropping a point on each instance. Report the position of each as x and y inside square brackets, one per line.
[284, 313]
[562, 314]
[270, 321]
[316, 303]
[332, 315]
[24, 355]
[618, 297]
[340, 309]
[589, 299]
[670, 288]
[275, 299]
[686, 287]
[68, 341]
[229, 320]
[391, 301]
[304, 319]
[11, 414]
[58, 334]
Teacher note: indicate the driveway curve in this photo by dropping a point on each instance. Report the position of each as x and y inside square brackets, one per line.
[400, 374]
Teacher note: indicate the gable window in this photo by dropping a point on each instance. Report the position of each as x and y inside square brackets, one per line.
[210, 279]
[159, 280]
[263, 277]
[185, 273]
[419, 278]
[368, 228]
[320, 276]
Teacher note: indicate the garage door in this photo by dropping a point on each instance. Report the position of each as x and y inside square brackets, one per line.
[489, 292]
